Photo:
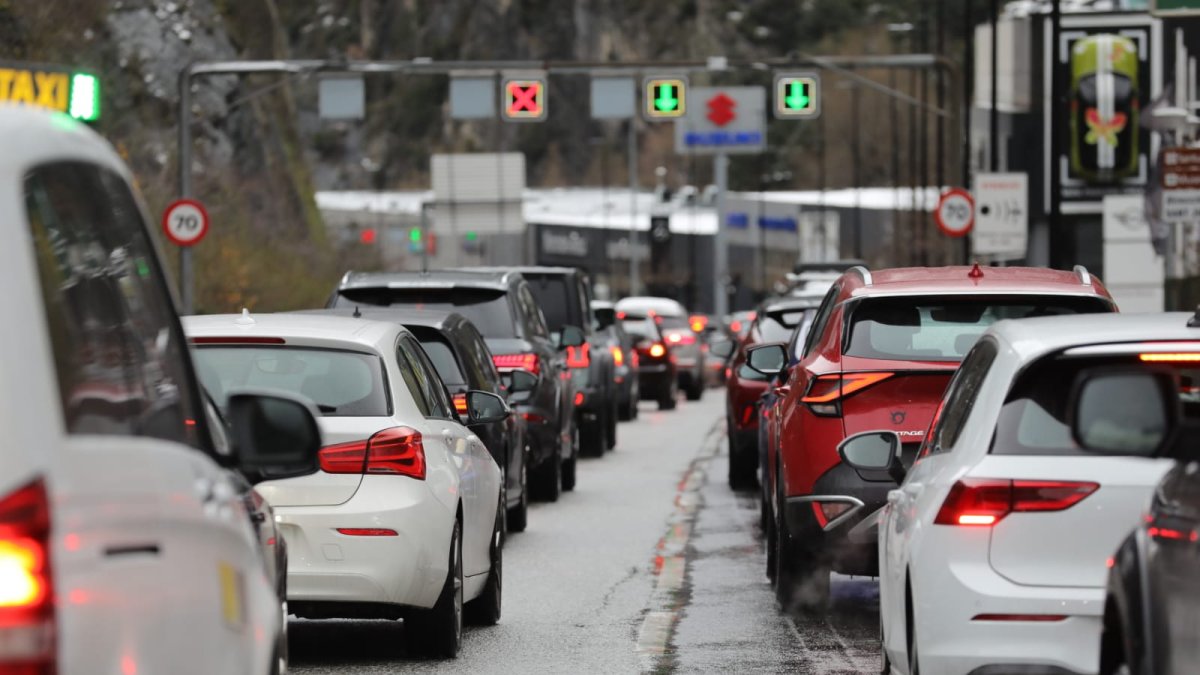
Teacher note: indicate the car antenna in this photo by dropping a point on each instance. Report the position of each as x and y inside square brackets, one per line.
[357, 312]
[1194, 322]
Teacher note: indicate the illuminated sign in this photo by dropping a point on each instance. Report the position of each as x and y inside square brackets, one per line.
[666, 98]
[74, 93]
[525, 99]
[797, 95]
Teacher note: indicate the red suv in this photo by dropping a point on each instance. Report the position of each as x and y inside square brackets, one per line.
[881, 350]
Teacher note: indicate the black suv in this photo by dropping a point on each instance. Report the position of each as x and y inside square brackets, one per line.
[565, 297]
[504, 310]
[464, 363]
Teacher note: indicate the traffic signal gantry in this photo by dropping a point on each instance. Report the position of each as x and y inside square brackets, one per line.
[797, 95]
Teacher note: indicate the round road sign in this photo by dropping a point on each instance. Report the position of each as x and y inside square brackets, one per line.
[185, 222]
[955, 214]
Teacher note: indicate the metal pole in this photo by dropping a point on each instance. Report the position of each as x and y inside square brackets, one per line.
[720, 253]
[1060, 243]
[633, 190]
[893, 113]
[993, 117]
[968, 79]
[940, 80]
[856, 161]
[186, 289]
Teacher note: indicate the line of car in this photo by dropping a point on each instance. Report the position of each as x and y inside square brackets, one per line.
[174, 489]
[984, 441]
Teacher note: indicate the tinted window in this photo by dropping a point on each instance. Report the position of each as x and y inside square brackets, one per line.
[821, 319]
[779, 326]
[960, 397]
[1033, 420]
[408, 370]
[119, 354]
[554, 297]
[487, 309]
[340, 383]
[444, 361]
[641, 329]
[431, 384]
[532, 316]
[477, 359]
[939, 329]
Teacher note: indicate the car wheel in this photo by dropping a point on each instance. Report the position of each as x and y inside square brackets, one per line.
[772, 550]
[591, 438]
[741, 471]
[695, 389]
[548, 480]
[668, 396]
[610, 417]
[518, 516]
[485, 610]
[568, 465]
[439, 632]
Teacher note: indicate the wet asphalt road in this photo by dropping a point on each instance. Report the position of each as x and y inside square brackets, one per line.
[651, 565]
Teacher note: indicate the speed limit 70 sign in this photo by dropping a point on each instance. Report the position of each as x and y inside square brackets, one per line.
[185, 222]
[955, 213]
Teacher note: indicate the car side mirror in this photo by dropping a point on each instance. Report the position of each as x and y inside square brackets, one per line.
[484, 407]
[1125, 411]
[571, 336]
[768, 359]
[521, 381]
[722, 348]
[604, 318]
[274, 435]
[874, 451]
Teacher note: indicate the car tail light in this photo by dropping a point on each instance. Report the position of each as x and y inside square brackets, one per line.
[974, 501]
[367, 532]
[825, 393]
[618, 356]
[829, 511]
[680, 338]
[396, 451]
[579, 398]
[748, 414]
[460, 403]
[735, 326]
[579, 357]
[698, 322]
[657, 350]
[26, 586]
[528, 362]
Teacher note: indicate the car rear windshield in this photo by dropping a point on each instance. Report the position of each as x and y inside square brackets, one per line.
[486, 308]
[1033, 420]
[444, 361]
[673, 323]
[340, 383]
[642, 329]
[553, 295]
[938, 328]
[779, 325]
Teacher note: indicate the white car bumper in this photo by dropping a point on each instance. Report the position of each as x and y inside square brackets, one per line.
[406, 569]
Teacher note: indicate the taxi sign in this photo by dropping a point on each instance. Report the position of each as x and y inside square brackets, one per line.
[52, 87]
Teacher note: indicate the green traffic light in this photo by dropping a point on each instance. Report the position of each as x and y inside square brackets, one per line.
[797, 95]
[666, 99]
[471, 236]
[414, 235]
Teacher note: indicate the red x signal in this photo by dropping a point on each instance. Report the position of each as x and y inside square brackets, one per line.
[524, 99]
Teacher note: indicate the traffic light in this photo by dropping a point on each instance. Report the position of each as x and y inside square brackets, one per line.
[525, 99]
[416, 242]
[666, 98]
[797, 96]
[367, 236]
[660, 242]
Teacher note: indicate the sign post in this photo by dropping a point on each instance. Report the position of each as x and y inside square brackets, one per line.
[1180, 184]
[185, 223]
[1001, 215]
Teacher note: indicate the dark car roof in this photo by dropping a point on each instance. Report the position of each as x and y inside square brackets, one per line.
[496, 279]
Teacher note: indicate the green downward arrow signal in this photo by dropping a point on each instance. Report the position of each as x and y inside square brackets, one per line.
[666, 99]
[796, 98]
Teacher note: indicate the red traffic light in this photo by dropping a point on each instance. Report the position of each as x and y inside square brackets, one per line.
[367, 236]
[525, 99]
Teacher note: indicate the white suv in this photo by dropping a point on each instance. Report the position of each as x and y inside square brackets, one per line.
[125, 545]
[992, 553]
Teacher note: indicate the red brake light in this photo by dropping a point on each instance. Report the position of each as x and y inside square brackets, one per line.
[698, 322]
[681, 338]
[657, 350]
[579, 398]
[974, 501]
[398, 451]
[528, 362]
[829, 388]
[367, 531]
[735, 326]
[618, 356]
[578, 357]
[26, 585]
[460, 403]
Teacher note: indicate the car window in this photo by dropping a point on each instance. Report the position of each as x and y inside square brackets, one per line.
[535, 322]
[440, 405]
[778, 326]
[641, 329]
[121, 362]
[552, 294]
[445, 362]
[340, 383]
[478, 358]
[935, 328]
[822, 318]
[956, 406]
[1034, 421]
[487, 308]
[408, 371]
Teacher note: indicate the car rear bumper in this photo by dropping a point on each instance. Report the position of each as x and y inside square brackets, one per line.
[407, 569]
[830, 540]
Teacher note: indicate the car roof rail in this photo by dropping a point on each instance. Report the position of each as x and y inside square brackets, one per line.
[864, 272]
[1085, 277]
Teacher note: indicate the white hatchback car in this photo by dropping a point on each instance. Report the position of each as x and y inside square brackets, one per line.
[402, 520]
[992, 552]
[125, 542]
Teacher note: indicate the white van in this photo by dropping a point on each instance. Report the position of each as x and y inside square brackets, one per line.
[125, 544]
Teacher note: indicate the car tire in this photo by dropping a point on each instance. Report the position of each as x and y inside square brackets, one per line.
[439, 632]
[742, 474]
[772, 550]
[627, 409]
[668, 396]
[610, 417]
[695, 389]
[548, 480]
[568, 465]
[592, 438]
[518, 516]
[485, 610]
